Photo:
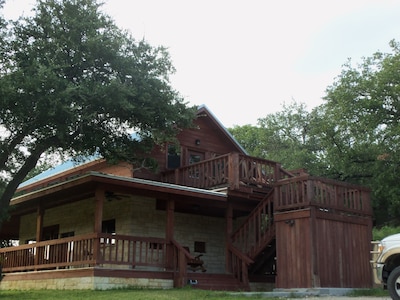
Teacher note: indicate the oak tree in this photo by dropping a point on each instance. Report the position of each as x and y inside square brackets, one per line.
[73, 83]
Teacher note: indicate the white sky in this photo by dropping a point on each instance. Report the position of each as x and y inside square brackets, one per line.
[245, 58]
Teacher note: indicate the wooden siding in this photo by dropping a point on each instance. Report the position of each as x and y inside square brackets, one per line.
[317, 248]
[294, 250]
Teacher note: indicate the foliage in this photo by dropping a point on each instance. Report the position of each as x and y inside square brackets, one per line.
[72, 83]
[360, 131]
[286, 137]
[379, 233]
[354, 136]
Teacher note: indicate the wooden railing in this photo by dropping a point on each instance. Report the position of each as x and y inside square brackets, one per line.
[257, 231]
[85, 250]
[231, 170]
[238, 264]
[180, 259]
[328, 195]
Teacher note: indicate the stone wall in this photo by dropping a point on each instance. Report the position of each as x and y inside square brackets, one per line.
[82, 283]
[137, 216]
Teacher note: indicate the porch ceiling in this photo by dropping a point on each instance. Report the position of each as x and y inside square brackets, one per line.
[85, 186]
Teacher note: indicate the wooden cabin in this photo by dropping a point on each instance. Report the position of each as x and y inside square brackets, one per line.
[211, 216]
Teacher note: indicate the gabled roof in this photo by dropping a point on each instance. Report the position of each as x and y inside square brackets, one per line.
[203, 109]
[71, 164]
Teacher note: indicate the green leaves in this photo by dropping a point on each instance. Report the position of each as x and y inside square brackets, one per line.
[353, 136]
[72, 82]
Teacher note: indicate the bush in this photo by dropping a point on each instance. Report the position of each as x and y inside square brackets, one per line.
[382, 232]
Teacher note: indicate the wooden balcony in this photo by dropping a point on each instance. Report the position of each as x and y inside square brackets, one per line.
[325, 194]
[232, 170]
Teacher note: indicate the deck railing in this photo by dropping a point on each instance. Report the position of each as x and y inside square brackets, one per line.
[231, 170]
[85, 250]
[257, 230]
[327, 195]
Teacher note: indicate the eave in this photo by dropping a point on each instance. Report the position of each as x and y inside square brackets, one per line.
[84, 187]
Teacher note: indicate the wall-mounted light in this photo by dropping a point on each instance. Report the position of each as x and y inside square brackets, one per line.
[290, 222]
[197, 142]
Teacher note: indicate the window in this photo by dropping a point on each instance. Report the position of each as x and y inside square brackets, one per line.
[195, 157]
[199, 247]
[156, 246]
[174, 157]
[67, 234]
[108, 226]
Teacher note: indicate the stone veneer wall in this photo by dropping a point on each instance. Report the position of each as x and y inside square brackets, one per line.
[83, 283]
[137, 216]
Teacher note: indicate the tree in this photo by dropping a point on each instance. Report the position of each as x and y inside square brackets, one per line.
[360, 128]
[285, 137]
[73, 83]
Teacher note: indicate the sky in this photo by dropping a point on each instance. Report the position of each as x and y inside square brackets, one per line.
[244, 59]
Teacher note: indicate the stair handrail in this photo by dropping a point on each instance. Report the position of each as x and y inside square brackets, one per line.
[261, 220]
[181, 257]
[238, 264]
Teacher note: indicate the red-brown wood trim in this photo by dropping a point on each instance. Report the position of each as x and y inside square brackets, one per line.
[233, 169]
[296, 214]
[229, 231]
[39, 223]
[169, 235]
[98, 211]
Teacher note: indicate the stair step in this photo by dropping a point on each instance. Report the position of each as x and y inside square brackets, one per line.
[221, 282]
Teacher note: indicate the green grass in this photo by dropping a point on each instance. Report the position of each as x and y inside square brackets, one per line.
[144, 294]
[121, 294]
[378, 292]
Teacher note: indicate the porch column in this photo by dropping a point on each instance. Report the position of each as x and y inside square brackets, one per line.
[99, 197]
[228, 234]
[39, 223]
[169, 233]
[98, 210]
[39, 234]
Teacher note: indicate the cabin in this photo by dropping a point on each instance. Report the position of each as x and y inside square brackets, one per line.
[210, 216]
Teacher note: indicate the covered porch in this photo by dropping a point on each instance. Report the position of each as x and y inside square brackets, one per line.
[123, 258]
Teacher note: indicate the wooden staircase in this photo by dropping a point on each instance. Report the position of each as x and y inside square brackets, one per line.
[258, 230]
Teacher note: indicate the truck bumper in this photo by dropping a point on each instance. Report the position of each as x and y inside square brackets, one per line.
[377, 270]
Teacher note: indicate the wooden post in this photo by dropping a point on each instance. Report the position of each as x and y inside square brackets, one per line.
[39, 233]
[99, 198]
[277, 171]
[169, 233]
[229, 230]
[39, 223]
[233, 170]
[180, 278]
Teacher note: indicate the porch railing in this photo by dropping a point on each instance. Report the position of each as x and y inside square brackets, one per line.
[327, 195]
[85, 250]
[231, 170]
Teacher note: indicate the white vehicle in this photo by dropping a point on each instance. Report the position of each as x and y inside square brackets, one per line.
[386, 264]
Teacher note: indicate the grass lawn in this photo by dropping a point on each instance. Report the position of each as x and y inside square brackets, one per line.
[142, 294]
[173, 294]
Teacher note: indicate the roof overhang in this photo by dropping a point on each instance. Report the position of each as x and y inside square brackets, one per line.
[84, 186]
